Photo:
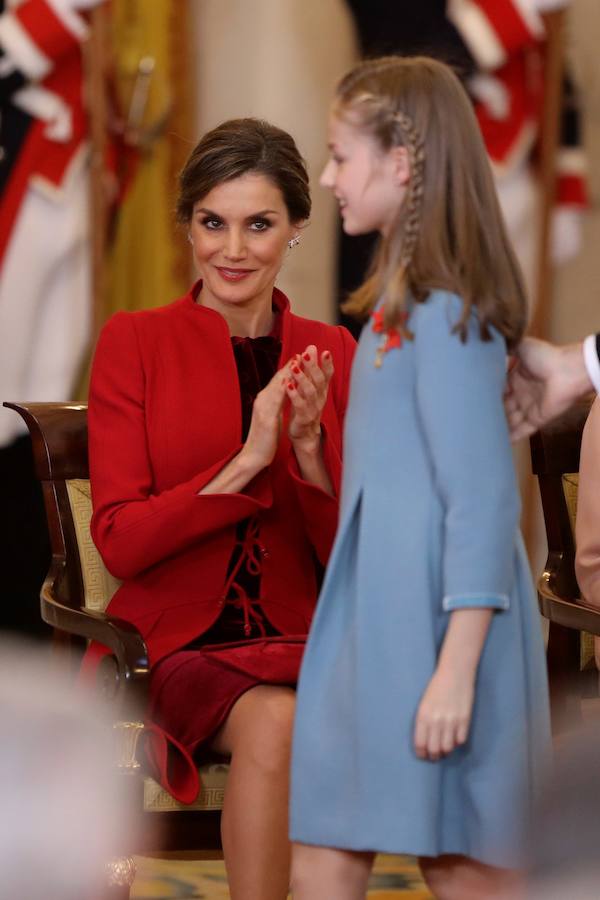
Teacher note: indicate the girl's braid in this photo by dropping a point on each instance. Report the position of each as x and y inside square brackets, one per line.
[416, 158]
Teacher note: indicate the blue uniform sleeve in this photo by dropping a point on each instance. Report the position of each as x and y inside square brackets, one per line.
[459, 390]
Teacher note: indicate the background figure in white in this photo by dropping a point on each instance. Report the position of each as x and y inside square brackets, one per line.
[44, 237]
[497, 50]
[45, 291]
[506, 43]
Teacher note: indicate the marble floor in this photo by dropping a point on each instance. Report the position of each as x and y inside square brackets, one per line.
[394, 877]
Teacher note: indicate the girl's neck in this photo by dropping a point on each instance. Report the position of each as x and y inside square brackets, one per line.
[251, 319]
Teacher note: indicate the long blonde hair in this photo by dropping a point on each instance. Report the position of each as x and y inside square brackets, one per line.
[449, 232]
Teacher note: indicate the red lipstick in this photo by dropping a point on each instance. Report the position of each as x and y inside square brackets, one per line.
[233, 275]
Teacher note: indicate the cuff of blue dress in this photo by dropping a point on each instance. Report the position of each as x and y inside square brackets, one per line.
[475, 601]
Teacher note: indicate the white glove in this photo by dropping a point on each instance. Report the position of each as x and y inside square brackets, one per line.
[545, 6]
[68, 12]
[68, 5]
[566, 234]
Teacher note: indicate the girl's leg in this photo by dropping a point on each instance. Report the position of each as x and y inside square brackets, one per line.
[319, 872]
[254, 826]
[460, 878]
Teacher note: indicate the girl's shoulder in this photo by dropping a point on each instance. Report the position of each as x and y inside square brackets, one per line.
[439, 316]
[439, 308]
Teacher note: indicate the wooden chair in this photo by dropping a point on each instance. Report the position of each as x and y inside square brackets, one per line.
[73, 599]
[571, 669]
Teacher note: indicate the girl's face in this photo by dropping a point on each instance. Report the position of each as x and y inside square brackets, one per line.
[239, 232]
[368, 182]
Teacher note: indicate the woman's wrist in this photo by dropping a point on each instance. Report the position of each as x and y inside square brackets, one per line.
[235, 476]
[308, 446]
[248, 463]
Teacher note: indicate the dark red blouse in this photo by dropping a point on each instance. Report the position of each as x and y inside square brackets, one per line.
[242, 617]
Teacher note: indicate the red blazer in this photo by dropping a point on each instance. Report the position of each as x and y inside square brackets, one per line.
[164, 418]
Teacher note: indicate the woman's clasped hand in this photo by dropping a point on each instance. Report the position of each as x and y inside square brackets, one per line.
[304, 382]
[307, 391]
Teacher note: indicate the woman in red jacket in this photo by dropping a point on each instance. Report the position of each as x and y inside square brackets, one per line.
[215, 428]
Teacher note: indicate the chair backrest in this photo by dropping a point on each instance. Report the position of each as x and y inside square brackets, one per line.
[555, 460]
[59, 436]
[78, 577]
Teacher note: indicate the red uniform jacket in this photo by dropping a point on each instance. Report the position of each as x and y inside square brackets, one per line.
[42, 118]
[164, 418]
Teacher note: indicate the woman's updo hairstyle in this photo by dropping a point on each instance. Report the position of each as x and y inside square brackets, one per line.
[240, 147]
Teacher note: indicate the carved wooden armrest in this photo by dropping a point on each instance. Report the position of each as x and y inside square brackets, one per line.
[571, 613]
[129, 683]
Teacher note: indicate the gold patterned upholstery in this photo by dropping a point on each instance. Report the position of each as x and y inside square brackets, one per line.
[99, 587]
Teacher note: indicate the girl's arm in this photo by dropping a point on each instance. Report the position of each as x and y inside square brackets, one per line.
[444, 714]
[459, 389]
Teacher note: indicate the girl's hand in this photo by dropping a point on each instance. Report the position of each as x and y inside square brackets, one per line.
[444, 714]
[307, 389]
[265, 425]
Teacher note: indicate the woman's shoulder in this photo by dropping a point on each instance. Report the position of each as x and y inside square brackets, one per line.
[142, 320]
[315, 330]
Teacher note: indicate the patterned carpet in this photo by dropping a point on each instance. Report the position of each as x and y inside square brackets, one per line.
[161, 879]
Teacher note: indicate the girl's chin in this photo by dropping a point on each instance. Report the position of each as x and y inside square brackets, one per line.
[353, 229]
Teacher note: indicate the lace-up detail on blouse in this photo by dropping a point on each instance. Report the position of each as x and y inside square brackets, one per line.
[242, 615]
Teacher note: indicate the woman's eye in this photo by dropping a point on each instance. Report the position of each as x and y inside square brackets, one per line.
[260, 225]
[211, 224]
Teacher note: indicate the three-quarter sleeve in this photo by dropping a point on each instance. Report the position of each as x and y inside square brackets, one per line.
[459, 388]
[133, 526]
[587, 529]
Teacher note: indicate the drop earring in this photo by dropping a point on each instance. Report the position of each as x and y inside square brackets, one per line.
[189, 237]
[293, 242]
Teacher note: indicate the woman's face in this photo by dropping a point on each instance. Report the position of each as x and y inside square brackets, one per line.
[369, 183]
[239, 233]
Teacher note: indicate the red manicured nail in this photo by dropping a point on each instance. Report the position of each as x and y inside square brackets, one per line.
[296, 370]
[291, 386]
[326, 354]
[306, 356]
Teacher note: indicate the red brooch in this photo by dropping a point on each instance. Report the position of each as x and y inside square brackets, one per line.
[391, 337]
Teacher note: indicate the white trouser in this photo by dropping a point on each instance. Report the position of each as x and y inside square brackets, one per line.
[45, 299]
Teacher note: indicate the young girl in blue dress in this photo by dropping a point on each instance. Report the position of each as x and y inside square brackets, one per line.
[422, 718]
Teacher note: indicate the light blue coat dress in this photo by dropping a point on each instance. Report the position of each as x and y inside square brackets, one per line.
[428, 524]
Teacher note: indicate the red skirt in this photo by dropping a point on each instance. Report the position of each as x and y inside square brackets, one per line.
[192, 693]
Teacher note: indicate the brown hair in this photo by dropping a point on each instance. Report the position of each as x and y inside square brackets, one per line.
[449, 232]
[238, 147]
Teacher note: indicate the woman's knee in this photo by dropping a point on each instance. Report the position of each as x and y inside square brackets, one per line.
[265, 736]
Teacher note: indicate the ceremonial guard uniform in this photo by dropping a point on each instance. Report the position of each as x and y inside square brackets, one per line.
[44, 261]
[496, 46]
